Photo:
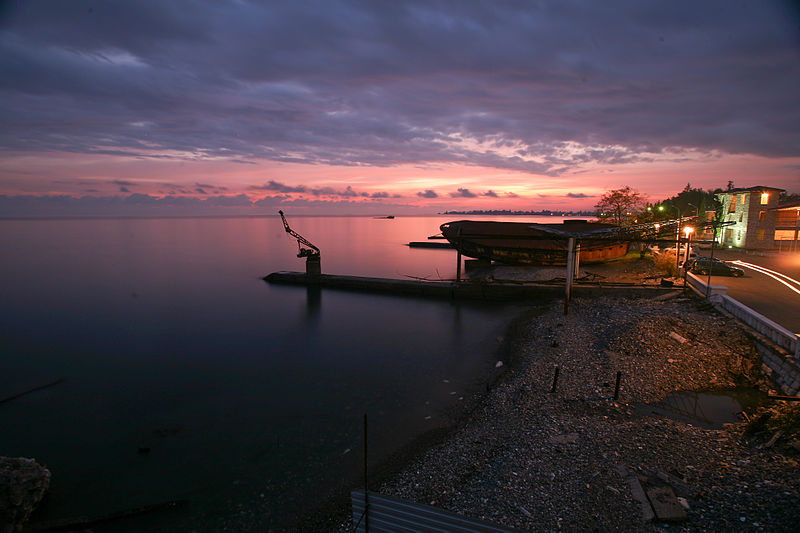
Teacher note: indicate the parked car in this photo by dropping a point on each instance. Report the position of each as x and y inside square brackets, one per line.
[702, 265]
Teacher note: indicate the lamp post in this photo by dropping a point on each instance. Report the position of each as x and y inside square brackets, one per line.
[688, 230]
[711, 261]
[697, 210]
[677, 240]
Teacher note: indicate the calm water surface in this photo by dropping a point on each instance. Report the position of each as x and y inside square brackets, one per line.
[249, 397]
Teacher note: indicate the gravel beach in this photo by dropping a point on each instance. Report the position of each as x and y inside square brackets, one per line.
[572, 460]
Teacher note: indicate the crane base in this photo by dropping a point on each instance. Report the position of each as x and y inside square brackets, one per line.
[313, 266]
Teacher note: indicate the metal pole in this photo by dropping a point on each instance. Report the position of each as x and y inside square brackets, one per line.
[570, 273]
[678, 244]
[713, 242]
[458, 257]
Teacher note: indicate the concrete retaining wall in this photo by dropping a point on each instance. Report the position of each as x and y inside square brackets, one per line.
[782, 368]
[772, 331]
[700, 286]
[779, 348]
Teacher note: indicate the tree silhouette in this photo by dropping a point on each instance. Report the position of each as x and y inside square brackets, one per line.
[620, 205]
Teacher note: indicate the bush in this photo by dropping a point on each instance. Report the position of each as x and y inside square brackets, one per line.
[665, 263]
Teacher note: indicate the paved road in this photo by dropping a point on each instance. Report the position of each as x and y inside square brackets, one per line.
[761, 292]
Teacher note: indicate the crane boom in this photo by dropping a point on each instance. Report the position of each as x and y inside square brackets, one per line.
[306, 249]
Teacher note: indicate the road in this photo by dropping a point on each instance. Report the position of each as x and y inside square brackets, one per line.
[763, 293]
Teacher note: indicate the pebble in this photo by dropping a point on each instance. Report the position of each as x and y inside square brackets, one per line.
[519, 449]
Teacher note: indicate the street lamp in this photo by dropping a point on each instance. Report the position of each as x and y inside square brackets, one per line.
[688, 230]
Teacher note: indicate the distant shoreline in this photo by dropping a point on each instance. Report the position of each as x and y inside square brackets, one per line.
[506, 212]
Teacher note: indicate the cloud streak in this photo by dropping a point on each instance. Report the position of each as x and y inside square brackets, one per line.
[545, 88]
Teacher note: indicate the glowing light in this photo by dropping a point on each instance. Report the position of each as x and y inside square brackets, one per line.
[688, 230]
[764, 198]
[777, 276]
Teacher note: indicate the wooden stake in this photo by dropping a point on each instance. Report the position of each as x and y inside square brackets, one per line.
[555, 380]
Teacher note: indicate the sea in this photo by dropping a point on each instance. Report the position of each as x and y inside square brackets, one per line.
[165, 370]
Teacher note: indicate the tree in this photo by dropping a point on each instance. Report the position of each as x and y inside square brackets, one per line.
[786, 197]
[689, 202]
[620, 205]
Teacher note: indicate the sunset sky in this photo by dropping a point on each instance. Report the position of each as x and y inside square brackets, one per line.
[390, 107]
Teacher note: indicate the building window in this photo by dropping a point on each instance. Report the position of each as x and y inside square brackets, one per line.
[762, 216]
[764, 198]
[784, 234]
[732, 207]
[741, 217]
[761, 235]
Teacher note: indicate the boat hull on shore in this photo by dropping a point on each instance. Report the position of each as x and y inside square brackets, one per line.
[520, 243]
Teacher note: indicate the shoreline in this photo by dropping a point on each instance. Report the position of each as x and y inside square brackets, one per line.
[333, 513]
[529, 459]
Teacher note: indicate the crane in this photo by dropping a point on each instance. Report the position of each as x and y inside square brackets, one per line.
[305, 248]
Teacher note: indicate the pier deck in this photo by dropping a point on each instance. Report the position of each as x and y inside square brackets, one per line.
[467, 290]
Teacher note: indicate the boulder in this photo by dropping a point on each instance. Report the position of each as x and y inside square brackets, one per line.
[23, 484]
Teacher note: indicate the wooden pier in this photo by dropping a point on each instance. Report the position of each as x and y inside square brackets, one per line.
[450, 290]
[431, 244]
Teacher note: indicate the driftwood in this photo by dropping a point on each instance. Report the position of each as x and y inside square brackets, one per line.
[784, 398]
[23, 393]
[82, 522]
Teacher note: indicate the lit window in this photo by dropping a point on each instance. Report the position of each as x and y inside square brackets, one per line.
[761, 235]
[762, 216]
[764, 198]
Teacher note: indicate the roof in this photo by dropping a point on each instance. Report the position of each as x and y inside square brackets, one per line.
[787, 205]
[755, 188]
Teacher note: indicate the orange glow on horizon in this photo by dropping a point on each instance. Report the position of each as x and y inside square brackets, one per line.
[431, 187]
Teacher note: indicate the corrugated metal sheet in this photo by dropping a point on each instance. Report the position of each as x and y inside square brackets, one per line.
[387, 514]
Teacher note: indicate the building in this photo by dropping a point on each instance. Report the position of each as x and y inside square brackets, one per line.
[751, 215]
[787, 226]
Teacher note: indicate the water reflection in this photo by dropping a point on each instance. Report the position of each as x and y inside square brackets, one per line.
[313, 301]
[706, 410]
[267, 383]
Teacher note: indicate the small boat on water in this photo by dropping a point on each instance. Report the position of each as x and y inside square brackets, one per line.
[523, 243]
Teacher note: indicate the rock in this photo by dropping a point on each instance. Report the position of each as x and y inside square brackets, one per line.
[665, 504]
[638, 494]
[567, 438]
[682, 340]
[23, 484]
[773, 440]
